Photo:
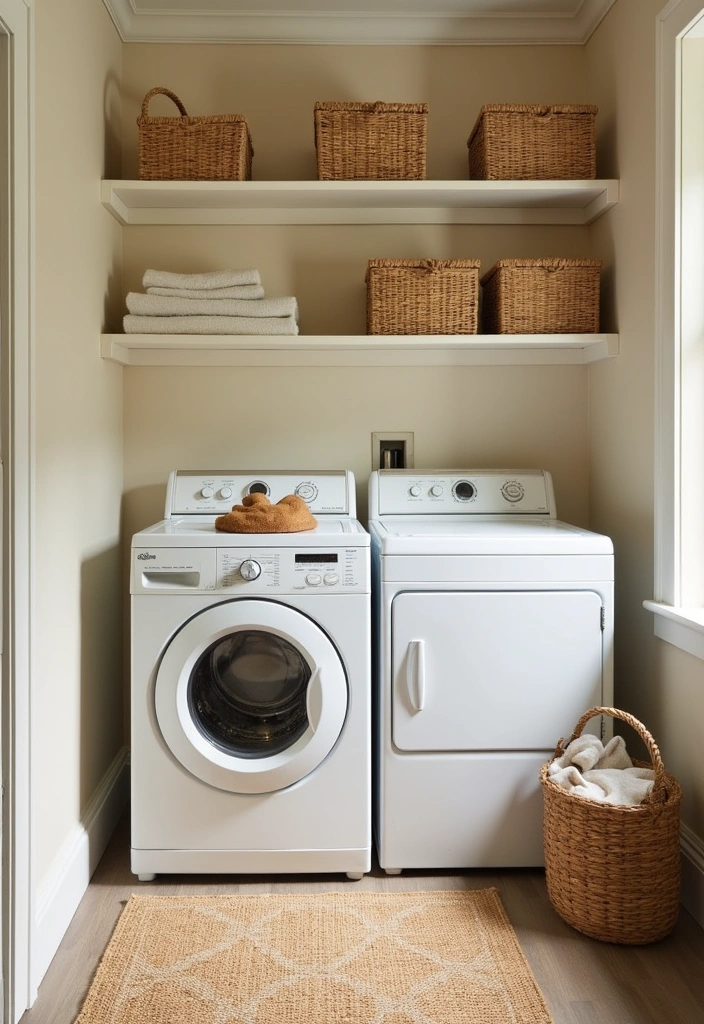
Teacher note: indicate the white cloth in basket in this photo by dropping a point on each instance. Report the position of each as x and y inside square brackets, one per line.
[605, 773]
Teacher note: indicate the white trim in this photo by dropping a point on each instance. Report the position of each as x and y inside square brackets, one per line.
[348, 28]
[17, 19]
[77, 860]
[681, 627]
[692, 873]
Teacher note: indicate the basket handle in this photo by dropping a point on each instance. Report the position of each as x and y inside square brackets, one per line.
[165, 92]
[658, 793]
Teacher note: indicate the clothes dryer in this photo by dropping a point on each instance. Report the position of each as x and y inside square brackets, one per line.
[250, 679]
[493, 628]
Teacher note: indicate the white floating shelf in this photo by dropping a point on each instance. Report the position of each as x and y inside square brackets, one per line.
[359, 202]
[358, 350]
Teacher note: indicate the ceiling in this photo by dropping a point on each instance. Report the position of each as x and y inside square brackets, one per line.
[391, 22]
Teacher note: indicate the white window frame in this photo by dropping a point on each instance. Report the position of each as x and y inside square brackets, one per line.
[678, 609]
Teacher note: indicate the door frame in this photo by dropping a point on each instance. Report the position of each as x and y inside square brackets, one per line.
[17, 23]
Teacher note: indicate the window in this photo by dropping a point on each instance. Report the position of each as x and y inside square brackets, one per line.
[679, 475]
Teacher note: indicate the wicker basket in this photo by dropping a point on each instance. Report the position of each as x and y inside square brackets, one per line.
[523, 141]
[613, 871]
[543, 296]
[383, 141]
[422, 296]
[215, 148]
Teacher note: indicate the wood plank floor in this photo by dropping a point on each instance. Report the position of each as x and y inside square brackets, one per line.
[583, 981]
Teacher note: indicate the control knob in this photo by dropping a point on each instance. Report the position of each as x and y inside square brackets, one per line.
[436, 490]
[250, 570]
[414, 491]
[512, 490]
[206, 492]
[307, 491]
[464, 490]
[225, 492]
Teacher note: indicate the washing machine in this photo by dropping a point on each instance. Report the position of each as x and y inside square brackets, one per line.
[493, 633]
[250, 683]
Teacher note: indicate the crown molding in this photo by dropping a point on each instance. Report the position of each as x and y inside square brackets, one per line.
[341, 28]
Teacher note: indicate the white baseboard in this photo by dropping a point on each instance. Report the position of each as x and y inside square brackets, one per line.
[68, 880]
[692, 874]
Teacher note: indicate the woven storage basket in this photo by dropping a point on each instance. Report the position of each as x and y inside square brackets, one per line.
[371, 140]
[214, 148]
[613, 871]
[422, 296]
[524, 141]
[542, 296]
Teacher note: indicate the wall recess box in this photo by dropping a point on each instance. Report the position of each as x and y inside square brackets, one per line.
[392, 449]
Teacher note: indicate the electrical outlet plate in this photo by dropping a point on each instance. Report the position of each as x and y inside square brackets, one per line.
[400, 441]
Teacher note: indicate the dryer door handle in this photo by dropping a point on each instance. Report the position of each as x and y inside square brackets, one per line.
[415, 674]
[314, 700]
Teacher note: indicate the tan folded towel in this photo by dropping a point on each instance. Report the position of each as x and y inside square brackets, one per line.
[256, 514]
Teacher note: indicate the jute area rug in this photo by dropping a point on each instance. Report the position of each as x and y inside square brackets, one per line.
[326, 958]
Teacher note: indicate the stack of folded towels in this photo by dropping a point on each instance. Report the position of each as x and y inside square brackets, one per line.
[220, 302]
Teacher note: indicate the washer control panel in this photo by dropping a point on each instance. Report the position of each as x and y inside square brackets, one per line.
[334, 570]
[461, 491]
[255, 571]
[215, 492]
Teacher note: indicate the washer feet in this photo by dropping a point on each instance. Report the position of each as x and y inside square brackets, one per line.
[146, 877]
[355, 876]
[393, 871]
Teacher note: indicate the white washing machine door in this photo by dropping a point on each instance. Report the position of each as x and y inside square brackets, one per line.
[251, 696]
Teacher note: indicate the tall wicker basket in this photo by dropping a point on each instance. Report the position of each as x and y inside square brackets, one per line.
[213, 148]
[613, 871]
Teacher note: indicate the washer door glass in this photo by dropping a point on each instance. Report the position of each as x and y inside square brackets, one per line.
[247, 693]
[250, 696]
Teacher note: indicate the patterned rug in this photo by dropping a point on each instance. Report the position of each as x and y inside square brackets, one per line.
[325, 958]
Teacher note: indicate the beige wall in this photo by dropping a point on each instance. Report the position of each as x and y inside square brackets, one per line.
[323, 418]
[76, 657]
[659, 684]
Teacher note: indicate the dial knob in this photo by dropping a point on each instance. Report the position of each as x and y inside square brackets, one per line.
[512, 490]
[250, 570]
[307, 491]
[414, 491]
[225, 492]
[206, 492]
[436, 490]
[464, 490]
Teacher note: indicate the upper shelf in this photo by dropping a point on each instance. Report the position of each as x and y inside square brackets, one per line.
[359, 202]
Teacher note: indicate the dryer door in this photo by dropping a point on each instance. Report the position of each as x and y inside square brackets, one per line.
[494, 670]
[251, 696]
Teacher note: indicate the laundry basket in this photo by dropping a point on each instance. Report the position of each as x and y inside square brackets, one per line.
[613, 871]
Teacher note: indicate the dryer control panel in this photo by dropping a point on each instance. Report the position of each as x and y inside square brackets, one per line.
[482, 492]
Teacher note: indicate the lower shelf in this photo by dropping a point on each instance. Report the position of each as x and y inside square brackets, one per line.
[357, 350]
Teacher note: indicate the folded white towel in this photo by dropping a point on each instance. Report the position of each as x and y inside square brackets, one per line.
[238, 291]
[163, 305]
[623, 786]
[587, 751]
[210, 325]
[211, 279]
